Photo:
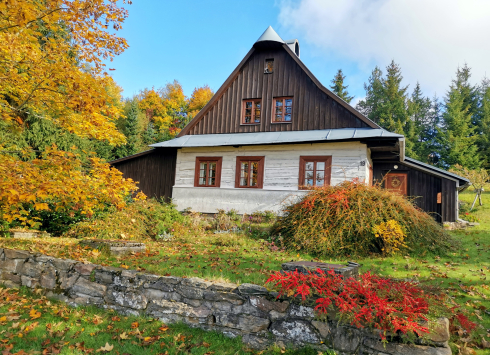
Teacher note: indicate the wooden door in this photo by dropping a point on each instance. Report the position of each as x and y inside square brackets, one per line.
[396, 182]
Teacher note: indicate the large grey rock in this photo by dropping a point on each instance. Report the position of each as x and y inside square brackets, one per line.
[16, 254]
[252, 290]
[43, 258]
[66, 280]
[11, 265]
[10, 277]
[299, 311]
[166, 283]
[215, 296]
[84, 269]
[346, 339]
[48, 278]
[296, 331]
[439, 330]
[128, 280]
[126, 298]
[88, 288]
[404, 349]
[152, 294]
[196, 282]
[275, 315]
[158, 308]
[322, 327]
[103, 276]
[222, 287]
[245, 322]
[32, 269]
[63, 264]
[190, 292]
[265, 305]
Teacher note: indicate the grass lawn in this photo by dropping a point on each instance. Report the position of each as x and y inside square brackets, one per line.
[464, 274]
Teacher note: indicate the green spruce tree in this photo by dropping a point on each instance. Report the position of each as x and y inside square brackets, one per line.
[483, 127]
[131, 130]
[339, 88]
[420, 126]
[369, 107]
[457, 132]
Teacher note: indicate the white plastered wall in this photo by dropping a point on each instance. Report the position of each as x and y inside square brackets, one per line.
[281, 175]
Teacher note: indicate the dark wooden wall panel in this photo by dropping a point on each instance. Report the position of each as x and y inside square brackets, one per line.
[449, 199]
[424, 187]
[155, 171]
[312, 108]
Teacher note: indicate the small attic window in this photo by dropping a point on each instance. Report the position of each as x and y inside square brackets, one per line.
[269, 66]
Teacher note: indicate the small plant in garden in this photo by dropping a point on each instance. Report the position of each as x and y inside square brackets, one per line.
[339, 220]
[392, 236]
[222, 221]
[234, 216]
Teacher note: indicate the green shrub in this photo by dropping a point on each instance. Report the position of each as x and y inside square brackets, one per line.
[339, 220]
[138, 220]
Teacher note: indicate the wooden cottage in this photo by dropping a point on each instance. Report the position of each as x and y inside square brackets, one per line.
[270, 130]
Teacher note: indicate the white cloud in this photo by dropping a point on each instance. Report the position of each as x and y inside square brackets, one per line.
[428, 38]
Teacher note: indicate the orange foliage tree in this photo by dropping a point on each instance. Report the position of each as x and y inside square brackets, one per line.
[169, 109]
[51, 55]
[59, 183]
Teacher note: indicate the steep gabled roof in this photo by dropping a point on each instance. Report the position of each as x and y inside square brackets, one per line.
[270, 37]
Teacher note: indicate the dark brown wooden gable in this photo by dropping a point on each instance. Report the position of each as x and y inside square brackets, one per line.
[314, 107]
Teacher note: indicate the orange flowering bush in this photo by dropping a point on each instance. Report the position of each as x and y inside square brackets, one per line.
[57, 186]
[342, 220]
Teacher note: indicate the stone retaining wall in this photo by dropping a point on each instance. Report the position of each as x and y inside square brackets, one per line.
[247, 310]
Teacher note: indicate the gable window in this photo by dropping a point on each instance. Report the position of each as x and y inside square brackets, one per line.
[249, 172]
[269, 66]
[208, 172]
[282, 110]
[314, 171]
[251, 111]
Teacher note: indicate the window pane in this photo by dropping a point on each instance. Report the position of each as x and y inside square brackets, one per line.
[309, 165]
[248, 112]
[248, 119]
[287, 117]
[320, 165]
[248, 104]
[244, 174]
[288, 102]
[278, 118]
[309, 178]
[278, 103]
[289, 109]
[211, 181]
[212, 170]
[269, 66]
[320, 178]
[254, 173]
[202, 173]
[257, 104]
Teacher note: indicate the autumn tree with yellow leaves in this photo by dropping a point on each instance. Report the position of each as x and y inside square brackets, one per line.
[169, 110]
[51, 68]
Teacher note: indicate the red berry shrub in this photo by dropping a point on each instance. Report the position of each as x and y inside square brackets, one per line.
[393, 306]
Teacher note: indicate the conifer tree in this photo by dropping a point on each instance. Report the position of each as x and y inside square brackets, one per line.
[386, 99]
[369, 107]
[131, 131]
[421, 127]
[483, 140]
[457, 134]
[339, 88]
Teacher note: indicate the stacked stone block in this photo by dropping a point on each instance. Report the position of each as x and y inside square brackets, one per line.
[245, 310]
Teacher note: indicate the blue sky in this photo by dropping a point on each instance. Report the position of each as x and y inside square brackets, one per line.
[201, 42]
